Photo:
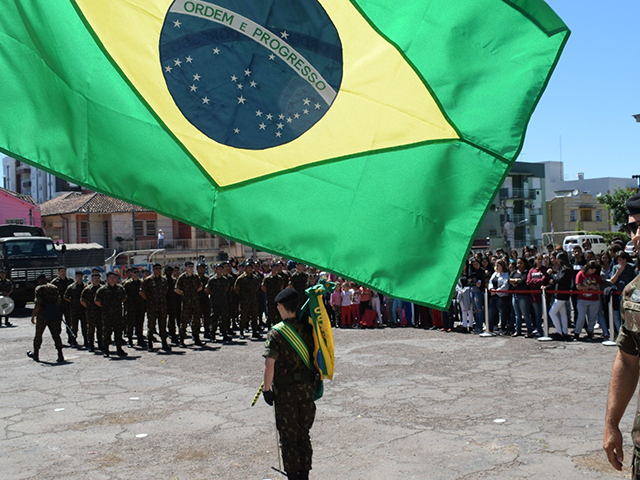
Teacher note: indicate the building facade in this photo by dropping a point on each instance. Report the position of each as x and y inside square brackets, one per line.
[556, 184]
[517, 216]
[575, 212]
[17, 209]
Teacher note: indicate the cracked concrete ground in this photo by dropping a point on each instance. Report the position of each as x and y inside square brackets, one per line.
[405, 404]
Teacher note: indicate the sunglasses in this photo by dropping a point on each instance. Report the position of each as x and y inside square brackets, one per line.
[630, 228]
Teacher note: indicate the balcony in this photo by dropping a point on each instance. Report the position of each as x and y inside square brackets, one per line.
[172, 244]
[523, 193]
[23, 169]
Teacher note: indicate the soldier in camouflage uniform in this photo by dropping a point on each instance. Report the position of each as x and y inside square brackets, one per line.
[62, 282]
[247, 286]
[626, 368]
[218, 288]
[300, 281]
[188, 286]
[135, 308]
[154, 291]
[205, 303]
[6, 289]
[173, 324]
[110, 298]
[77, 312]
[47, 314]
[233, 299]
[272, 285]
[94, 319]
[290, 385]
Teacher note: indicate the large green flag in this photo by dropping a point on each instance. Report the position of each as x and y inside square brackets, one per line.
[364, 137]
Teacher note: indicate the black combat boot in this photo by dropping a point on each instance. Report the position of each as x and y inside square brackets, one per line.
[241, 334]
[7, 323]
[90, 347]
[303, 474]
[293, 476]
[149, 344]
[33, 355]
[60, 356]
[141, 341]
[165, 345]
[105, 351]
[196, 340]
[121, 352]
[130, 342]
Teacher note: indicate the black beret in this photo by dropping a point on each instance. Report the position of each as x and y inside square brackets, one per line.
[157, 265]
[203, 265]
[79, 272]
[633, 204]
[2, 270]
[287, 295]
[111, 273]
[188, 264]
[42, 275]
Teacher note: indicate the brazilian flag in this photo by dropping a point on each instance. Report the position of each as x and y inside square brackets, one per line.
[365, 137]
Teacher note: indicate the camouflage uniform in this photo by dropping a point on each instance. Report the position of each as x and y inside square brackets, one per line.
[173, 307]
[47, 299]
[247, 288]
[205, 305]
[189, 285]
[94, 320]
[62, 286]
[273, 284]
[629, 342]
[299, 281]
[76, 310]
[111, 299]
[219, 288]
[135, 310]
[156, 288]
[233, 299]
[293, 391]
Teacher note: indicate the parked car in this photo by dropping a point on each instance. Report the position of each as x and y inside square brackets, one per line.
[629, 248]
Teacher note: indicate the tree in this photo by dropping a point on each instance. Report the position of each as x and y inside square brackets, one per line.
[615, 203]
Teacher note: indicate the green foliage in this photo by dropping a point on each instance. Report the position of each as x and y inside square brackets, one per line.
[615, 204]
[609, 236]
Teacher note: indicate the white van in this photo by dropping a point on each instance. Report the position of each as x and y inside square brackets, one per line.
[598, 245]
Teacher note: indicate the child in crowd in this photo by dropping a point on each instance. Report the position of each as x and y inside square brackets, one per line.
[346, 305]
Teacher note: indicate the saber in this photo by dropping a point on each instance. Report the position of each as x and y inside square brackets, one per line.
[279, 469]
[68, 328]
[255, 399]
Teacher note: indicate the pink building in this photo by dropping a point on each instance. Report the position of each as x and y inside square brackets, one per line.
[18, 209]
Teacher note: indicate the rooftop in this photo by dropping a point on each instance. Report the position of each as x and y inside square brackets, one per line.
[77, 202]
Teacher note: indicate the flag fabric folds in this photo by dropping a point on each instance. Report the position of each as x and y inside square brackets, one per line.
[356, 136]
[323, 351]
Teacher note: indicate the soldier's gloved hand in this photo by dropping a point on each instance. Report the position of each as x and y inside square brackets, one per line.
[268, 397]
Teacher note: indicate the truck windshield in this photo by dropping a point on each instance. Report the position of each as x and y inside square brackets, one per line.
[29, 249]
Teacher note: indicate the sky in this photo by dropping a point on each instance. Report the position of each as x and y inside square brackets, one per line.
[589, 102]
[585, 116]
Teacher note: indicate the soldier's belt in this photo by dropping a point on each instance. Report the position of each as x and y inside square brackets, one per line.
[295, 378]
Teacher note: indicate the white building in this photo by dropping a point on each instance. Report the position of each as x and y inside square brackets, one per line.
[555, 182]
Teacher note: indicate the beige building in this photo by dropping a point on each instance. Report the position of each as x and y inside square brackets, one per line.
[570, 213]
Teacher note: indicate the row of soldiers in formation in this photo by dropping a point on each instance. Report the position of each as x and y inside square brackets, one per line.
[171, 301]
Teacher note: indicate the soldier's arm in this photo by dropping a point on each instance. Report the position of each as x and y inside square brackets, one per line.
[624, 379]
[269, 368]
[143, 294]
[264, 287]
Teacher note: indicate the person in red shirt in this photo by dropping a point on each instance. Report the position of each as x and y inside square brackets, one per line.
[587, 280]
[536, 279]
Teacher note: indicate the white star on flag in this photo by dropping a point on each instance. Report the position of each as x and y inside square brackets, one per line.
[177, 24]
[258, 113]
[236, 131]
[189, 59]
[262, 126]
[253, 84]
[305, 111]
[216, 51]
[234, 78]
[296, 116]
[306, 101]
[278, 134]
[289, 119]
[284, 35]
[317, 105]
[272, 57]
[205, 100]
[240, 86]
[247, 73]
[269, 116]
[196, 77]
[168, 69]
[241, 99]
[193, 88]
[280, 126]
[177, 62]
[281, 116]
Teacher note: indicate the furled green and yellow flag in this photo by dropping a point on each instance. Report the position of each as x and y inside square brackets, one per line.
[365, 137]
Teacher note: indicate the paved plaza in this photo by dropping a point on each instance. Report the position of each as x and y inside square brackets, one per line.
[405, 404]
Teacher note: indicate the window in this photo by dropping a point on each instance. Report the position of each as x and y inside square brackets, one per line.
[598, 215]
[572, 215]
[586, 215]
[151, 228]
[139, 228]
[15, 221]
[84, 230]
